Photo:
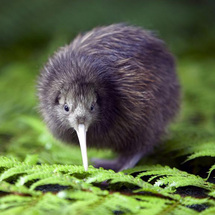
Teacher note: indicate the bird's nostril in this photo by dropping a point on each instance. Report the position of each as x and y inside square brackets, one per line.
[81, 119]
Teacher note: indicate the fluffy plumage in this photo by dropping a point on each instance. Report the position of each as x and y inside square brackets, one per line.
[120, 81]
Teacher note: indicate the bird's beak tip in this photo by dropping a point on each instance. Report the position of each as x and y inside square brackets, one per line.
[81, 132]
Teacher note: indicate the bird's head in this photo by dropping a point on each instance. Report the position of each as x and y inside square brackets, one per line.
[77, 107]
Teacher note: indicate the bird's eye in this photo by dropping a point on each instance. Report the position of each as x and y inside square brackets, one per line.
[66, 108]
[92, 107]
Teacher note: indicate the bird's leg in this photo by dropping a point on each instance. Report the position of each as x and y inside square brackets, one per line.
[123, 161]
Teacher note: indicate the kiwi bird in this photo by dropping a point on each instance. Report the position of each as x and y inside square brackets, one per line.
[113, 87]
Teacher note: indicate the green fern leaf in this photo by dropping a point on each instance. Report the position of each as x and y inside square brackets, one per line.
[208, 211]
[59, 180]
[22, 168]
[173, 178]
[11, 188]
[201, 150]
[113, 177]
[8, 162]
[11, 201]
[32, 177]
[31, 159]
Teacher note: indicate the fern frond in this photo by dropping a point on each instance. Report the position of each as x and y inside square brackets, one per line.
[22, 190]
[20, 169]
[82, 193]
[154, 205]
[59, 180]
[48, 204]
[197, 202]
[180, 210]
[212, 193]
[8, 162]
[210, 171]
[103, 204]
[173, 178]
[87, 206]
[201, 150]
[126, 204]
[11, 201]
[31, 159]
[112, 177]
[135, 169]
[208, 211]
[32, 177]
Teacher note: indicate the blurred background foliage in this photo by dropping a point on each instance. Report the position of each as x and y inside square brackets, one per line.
[30, 31]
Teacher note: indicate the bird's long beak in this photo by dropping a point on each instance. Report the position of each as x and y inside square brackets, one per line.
[81, 132]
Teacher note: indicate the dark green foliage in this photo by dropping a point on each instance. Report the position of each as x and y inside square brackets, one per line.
[20, 182]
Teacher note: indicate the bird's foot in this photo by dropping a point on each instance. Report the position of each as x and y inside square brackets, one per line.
[120, 163]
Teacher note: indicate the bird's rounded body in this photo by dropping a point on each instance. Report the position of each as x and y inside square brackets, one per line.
[120, 82]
